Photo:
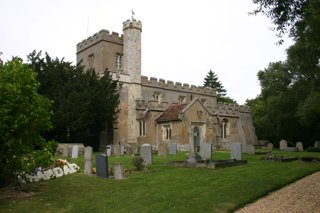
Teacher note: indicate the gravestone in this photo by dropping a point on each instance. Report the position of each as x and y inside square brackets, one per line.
[206, 151]
[88, 160]
[129, 150]
[317, 144]
[299, 146]
[102, 165]
[236, 151]
[270, 146]
[75, 151]
[108, 150]
[283, 144]
[249, 149]
[65, 150]
[172, 147]
[162, 151]
[122, 150]
[118, 171]
[146, 154]
[192, 159]
[116, 150]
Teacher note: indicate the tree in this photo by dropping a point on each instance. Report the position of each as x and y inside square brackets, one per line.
[83, 102]
[24, 115]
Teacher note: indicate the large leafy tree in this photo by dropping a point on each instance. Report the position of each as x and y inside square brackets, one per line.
[292, 87]
[82, 101]
[24, 114]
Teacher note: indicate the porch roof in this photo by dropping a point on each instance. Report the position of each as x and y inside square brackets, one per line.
[171, 113]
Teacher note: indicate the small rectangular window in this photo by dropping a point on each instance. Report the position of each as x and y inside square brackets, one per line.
[166, 132]
[118, 61]
[91, 61]
[142, 128]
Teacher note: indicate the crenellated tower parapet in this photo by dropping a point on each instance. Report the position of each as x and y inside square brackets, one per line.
[176, 86]
[102, 35]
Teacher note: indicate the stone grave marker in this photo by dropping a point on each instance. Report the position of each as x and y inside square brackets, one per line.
[116, 150]
[146, 154]
[75, 151]
[317, 144]
[172, 147]
[88, 160]
[236, 151]
[65, 150]
[206, 151]
[122, 150]
[299, 146]
[108, 150]
[283, 145]
[270, 146]
[162, 150]
[102, 165]
[118, 171]
[249, 149]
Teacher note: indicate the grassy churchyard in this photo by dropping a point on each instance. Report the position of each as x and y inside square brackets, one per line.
[159, 188]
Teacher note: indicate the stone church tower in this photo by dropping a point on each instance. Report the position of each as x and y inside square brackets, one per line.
[131, 90]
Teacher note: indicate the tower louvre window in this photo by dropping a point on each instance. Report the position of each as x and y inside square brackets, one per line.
[91, 61]
[119, 61]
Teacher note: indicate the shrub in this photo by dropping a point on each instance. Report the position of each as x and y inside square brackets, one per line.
[138, 162]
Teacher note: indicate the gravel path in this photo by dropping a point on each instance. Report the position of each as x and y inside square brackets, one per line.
[300, 196]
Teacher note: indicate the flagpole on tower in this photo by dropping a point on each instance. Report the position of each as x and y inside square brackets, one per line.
[132, 15]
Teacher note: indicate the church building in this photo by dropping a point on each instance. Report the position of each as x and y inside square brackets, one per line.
[157, 111]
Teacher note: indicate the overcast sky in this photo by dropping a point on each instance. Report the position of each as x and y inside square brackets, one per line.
[181, 39]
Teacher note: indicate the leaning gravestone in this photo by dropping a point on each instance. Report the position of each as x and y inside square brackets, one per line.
[162, 150]
[299, 146]
[88, 160]
[206, 151]
[75, 151]
[283, 145]
[118, 171]
[65, 150]
[270, 146]
[172, 147]
[102, 166]
[116, 150]
[317, 144]
[146, 154]
[236, 151]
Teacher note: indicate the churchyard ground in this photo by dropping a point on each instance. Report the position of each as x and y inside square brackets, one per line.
[163, 189]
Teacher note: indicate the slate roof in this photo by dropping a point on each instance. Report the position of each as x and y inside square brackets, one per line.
[172, 113]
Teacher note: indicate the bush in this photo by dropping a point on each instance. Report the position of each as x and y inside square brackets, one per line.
[313, 149]
[138, 163]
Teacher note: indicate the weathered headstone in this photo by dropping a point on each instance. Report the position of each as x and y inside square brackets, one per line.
[270, 146]
[162, 150]
[122, 150]
[65, 150]
[249, 149]
[283, 144]
[102, 166]
[146, 154]
[317, 144]
[192, 159]
[129, 150]
[172, 147]
[108, 150]
[116, 150]
[88, 160]
[206, 151]
[236, 151]
[118, 171]
[299, 146]
[75, 151]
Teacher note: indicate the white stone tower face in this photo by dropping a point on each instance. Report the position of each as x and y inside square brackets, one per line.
[132, 66]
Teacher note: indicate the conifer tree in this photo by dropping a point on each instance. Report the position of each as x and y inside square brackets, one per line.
[211, 80]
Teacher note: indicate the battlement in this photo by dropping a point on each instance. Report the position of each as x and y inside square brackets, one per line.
[102, 35]
[132, 24]
[177, 86]
[233, 107]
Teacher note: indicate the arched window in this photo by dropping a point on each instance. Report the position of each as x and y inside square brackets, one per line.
[224, 128]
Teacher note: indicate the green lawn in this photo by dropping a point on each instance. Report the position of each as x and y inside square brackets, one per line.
[164, 189]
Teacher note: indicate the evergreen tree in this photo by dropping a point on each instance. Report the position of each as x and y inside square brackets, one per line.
[211, 80]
